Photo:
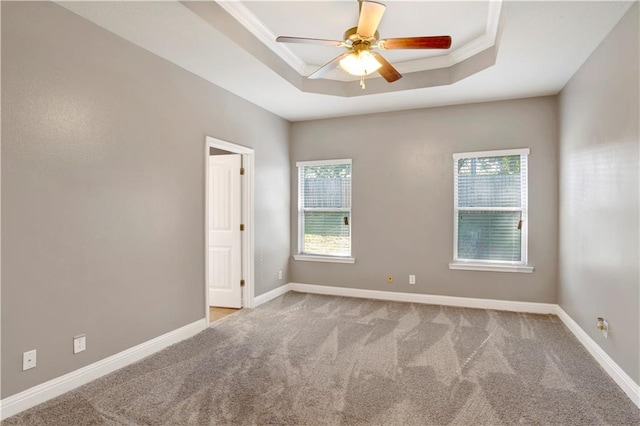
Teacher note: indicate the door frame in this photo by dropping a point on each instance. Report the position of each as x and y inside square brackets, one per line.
[247, 217]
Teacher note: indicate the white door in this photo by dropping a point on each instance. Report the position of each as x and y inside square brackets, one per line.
[224, 231]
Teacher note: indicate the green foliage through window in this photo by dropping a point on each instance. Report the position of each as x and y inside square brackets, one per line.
[325, 214]
[490, 203]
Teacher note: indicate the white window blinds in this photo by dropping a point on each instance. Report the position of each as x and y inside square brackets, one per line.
[490, 206]
[324, 207]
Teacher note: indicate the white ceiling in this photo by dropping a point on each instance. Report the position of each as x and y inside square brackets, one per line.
[473, 29]
[540, 45]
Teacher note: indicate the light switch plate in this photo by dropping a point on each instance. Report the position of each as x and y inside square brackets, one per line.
[29, 360]
[79, 343]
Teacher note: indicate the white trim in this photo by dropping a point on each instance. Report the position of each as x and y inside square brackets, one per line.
[485, 41]
[490, 209]
[228, 146]
[475, 265]
[270, 295]
[455, 209]
[494, 153]
[327, 209]
[45, 391]
[626, 383]
[251, 22]
[248, 242]
[323, 162]
[524, 204]
[55, 387]
[330, 259]
[492, 267]
[300, 165]
[429, 299]
[0, 214]
[254, 25]
[248, 216]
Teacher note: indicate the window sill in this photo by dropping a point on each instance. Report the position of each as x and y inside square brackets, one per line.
[330, 259]
[492, 267]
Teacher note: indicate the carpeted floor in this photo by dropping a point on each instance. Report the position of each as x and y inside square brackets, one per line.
[314, 360]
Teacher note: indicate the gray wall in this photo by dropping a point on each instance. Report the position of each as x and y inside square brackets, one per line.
[103, 191]
[216, 151]
[599, 273]
[403, 196]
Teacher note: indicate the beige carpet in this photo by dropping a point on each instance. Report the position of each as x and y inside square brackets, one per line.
[313, 360]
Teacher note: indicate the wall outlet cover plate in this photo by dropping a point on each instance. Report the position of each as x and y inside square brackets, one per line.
[79, 343]
[29, 360]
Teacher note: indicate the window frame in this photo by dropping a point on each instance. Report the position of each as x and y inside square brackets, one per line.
[301, 224]
[488, 264]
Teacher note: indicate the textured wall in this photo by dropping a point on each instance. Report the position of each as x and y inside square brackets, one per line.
[103, 191]
[403, 196]
[599, 271]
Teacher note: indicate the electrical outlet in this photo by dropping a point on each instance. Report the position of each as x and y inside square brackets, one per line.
[29, 360]
[390, 279]
[279, 275]
[412, 279]
[79, 343]
[603, 326]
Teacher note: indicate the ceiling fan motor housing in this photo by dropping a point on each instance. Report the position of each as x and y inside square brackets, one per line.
[359, 41]
[353, 39]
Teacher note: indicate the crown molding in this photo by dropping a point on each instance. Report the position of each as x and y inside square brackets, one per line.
[475, 46]
[486, 40]
[254, 25]
[251, 22]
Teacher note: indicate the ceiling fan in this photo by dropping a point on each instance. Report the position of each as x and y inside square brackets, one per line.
[360, 41]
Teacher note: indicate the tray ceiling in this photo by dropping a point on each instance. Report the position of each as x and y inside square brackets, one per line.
[540, 45]
[473, 27]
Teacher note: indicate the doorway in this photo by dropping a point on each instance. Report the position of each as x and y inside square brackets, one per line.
[222, 282]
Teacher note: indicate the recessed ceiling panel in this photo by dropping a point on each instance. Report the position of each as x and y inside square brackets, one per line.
[463, 21]
[542, 44]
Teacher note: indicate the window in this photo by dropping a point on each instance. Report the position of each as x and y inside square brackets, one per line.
[490, 211]
[324, 211]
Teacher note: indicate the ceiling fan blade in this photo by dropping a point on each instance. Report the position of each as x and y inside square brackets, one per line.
[370, 16]
[387, 71]
[328, 67]
[303, 40]
[435, 42]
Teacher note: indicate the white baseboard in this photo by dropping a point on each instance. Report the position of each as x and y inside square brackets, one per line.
[430, 299]
[55, 387]
[45, 391]
[270, 295]
[626, 383]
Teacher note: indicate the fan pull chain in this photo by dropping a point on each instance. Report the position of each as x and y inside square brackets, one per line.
[362, 83]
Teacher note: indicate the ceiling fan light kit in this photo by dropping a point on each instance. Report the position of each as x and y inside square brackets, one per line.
[360, 63]
[361, 40]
